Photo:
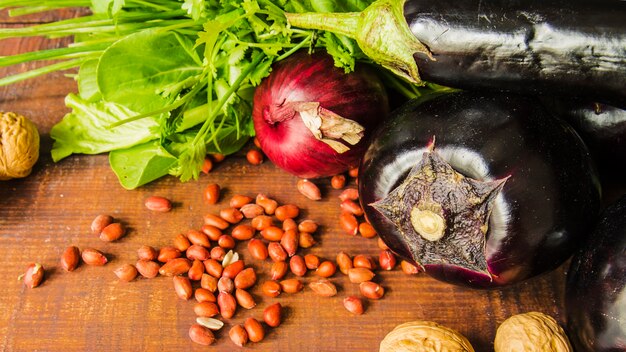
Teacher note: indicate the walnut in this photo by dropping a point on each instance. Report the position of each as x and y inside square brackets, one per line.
[424, 336]
[530, 332]
[19, 146]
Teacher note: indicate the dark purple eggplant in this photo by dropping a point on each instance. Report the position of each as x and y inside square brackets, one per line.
[558, 46]
[596, 286]
[479, 189]
[601, 126]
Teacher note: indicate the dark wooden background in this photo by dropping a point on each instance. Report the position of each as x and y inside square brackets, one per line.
[89, 309]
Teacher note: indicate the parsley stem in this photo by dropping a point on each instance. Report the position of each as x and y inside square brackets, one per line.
[231, 90]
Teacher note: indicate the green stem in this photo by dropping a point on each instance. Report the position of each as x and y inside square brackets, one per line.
[215, 110]
[60, 53]
[344, 23]
[380, 31]
[41, 71]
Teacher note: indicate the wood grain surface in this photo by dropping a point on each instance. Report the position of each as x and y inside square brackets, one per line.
[91, 310]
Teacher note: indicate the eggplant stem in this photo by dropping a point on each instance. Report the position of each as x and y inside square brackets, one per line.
[428, 224]
[380, 30]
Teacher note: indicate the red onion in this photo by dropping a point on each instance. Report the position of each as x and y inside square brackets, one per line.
[312, 119]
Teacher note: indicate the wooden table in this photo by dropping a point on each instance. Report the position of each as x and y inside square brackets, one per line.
[91, 310]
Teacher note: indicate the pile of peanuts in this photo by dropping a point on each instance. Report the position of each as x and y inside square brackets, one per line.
[206, 256]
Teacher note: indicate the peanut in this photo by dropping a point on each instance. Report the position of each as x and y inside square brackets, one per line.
[254, 329]
[227, 304]
[353, 304]
[232, 269]
[213, 268]
[344, 262]
[309, 189]
[93, 257]
[211, 193]
[366, 230]
[126, 272]
[237, 201]
[271, 288]
[158, 204]
[33, 276]
[214, 220]
[338, 181]
[349, 223]
[349, 193]
[297, 265]
[199, 238]
[276, 252]
[70, 258]
[208, 282]
[168, 253]
[291, 285]
[243, 232]
[195, 252]
[238, 335]
[257, 249]
[323, 287]
[287, 211]
[254, 157]
[183, 288]
[100, 222]
[212, 232]
[371, 290]
[204, 295]
[250, 211]
[278, 270]
[245, 279]
[289, 241]
[272, 314]
[268, 204]
[244, 298]
[177, 266]
[358, 275]
[306, 240]
[201, 335]
[350, 206]
[386, 260]
[206, 309]
[326, 269]
[147, 268]
[147, 253]
[232, 215]
[113, 232]
[311, 261]
[272, 233]
[307, 226]
[196, 270]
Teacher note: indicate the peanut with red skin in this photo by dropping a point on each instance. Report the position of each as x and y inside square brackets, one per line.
[201, 335]
[126, 272]
[326, 269]
[214, 220]
[272, 314]
[238, 335]
[199, 238]
[93, 257]
[291, 285]
[323, 287]
[147, 253]
[371, 290]
[113, 232]
[386, 260]
[307, 226]
[232, 215]
[237, 201]
[227, 304]
[268, 204]
[366, 230]
[182, 286]
[276, 252]
[257, 249]
[206, 309]
[245, 279]
[271, 288]
[255, 330]
[196, 270]
[177, 266]
[297, 265]
[168, 253]
[204, 295]
[211, 193]
[354, 305]
[349, 193]
[158, 204]
[244, 298]
[349, 223]
[338, 181]
[33, 276]
[254, 157]
[287, 211]
[100, 222]
[309, 189]
[70, 258]
[278, 270]
[147, 268]
[311, 261]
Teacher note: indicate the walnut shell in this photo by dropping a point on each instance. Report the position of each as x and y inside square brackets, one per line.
[424, 336]
[530, 332]
[19, 146]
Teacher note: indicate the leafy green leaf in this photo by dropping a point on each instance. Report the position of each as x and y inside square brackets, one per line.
[87, 83]
[141, 164]
[85, 129]
[136, 69]
[195, 8]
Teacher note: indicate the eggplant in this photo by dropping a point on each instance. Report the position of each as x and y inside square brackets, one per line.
[480, 189]
[530, 46]
[595, 294]
[601, 126]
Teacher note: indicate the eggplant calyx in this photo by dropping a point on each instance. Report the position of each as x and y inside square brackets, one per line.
[329, 127]
[380, 30]
[442, 215]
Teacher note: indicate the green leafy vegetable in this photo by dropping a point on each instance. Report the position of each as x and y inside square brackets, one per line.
[164, 82]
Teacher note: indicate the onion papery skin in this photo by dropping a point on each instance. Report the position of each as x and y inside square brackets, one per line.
[546, 207]
[287, 142]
